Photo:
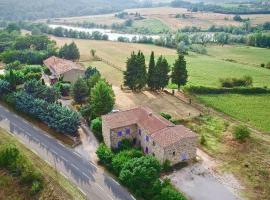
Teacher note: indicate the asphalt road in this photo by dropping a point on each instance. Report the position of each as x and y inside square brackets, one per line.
[92, 181]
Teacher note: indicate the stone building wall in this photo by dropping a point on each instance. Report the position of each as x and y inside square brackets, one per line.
[185, 149]
[106, 133]
[116, 138]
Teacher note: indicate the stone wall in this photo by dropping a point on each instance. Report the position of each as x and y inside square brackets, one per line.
[115, 138]
[185, 149]
[106, 133]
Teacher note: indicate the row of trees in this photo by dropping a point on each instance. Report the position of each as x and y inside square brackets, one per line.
[136, 76]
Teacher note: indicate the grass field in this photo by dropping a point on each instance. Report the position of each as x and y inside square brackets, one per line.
[253, 109]
[241, 54]
[56, 186]
[203, 69]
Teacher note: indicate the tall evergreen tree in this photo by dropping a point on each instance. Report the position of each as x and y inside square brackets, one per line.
[179, 71]
[162, 73]
[70, 52]
[135, 77]
[151, 72]
[141, 79]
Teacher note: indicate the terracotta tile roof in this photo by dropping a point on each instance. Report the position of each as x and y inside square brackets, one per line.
[170, 135]
[161, 130]
[59, 66]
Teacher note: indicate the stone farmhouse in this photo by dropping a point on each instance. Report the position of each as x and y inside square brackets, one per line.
[62, 68]
[155, 134]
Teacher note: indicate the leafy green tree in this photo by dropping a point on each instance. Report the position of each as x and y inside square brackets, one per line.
[96, 127]
[105, 155]
[70, 52]
[179, 71]
[102, 98]
[90, 71]
[140, 175]
[80, 90]
[151, 72]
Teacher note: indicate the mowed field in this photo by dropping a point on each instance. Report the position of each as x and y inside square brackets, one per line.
[166, 15]
[252, 109]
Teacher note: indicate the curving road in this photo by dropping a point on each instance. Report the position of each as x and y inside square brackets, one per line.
[93, 182]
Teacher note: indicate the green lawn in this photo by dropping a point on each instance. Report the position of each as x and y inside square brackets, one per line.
[206, 71]
[242, 54]
[253, 109]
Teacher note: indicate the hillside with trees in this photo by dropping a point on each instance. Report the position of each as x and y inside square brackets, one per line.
[38, 9]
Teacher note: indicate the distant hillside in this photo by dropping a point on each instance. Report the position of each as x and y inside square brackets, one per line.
[40, 9]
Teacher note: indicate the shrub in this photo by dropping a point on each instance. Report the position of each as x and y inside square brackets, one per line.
[105, 155]
[36, 187]
[202, 140]
[241, 132]
[236, 82]
[268, 65]
[198, 48]
[96, 127]
[4, 87]
[262, 65]
[166, 166]
[166, 115]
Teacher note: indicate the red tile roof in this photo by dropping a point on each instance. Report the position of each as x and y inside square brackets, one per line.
[161, 130]
[59, 66]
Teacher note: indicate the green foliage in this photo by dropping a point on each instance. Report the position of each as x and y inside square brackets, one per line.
[16, 65]
[54, 115]
[202, 140]
[151, 72]
[135, 76]
[179, 71]
[18, 165]
[241, 132]
[170, 193]
[166, 115]
[102, 98]
[70, 52]
[80, 90]
[96, 127]
[38, 90]
[161, 73]
[91, 71]
[166, 166]
[140, 175]
[4, 87]
[105, 155]
[64, 88]
[236, 82]
[120, 159]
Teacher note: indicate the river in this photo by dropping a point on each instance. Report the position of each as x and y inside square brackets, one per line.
[112, 36]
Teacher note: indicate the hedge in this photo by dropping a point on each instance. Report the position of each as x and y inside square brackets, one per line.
[237, 90]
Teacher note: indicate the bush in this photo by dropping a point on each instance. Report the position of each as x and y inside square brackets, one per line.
[166, 166]
[241, 132]
[236, 82]
[4, 87]
[268, 65]
[96, 127]
[36, 187]
[166, 115]
[202, 140]
[105, 155]
[263, 65]
[198, 48]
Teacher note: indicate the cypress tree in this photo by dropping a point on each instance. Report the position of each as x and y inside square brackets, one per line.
[141, 75]
[151, 72]
[179, 71]
[162, 73]
[130, 73]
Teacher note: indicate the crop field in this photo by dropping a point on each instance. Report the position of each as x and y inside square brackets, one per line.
[253, 109]
[166, 15]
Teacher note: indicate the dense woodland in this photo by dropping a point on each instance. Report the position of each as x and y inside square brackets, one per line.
[39, 9]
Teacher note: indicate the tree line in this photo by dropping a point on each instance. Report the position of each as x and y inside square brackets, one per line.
[136, 76]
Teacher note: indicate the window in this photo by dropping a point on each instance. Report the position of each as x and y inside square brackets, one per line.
[119, 144]
[153, 154]
[147, 138]
[134, 141]
[173, 153]
[140, 132]
[154, 143]
[119, 133]
[127, 131]
[146, 150]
